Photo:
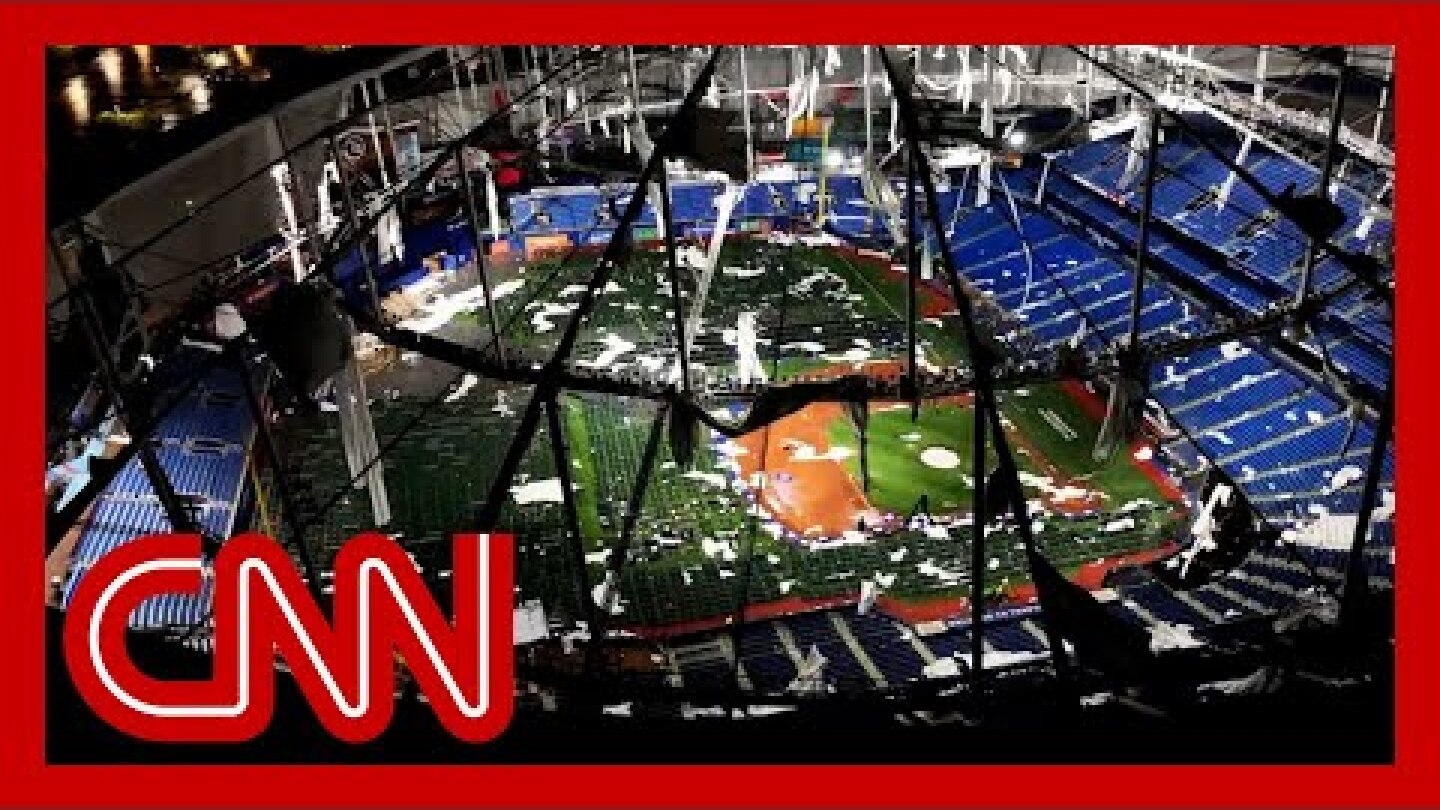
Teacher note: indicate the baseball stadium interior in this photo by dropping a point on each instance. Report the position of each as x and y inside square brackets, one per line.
[953, 403]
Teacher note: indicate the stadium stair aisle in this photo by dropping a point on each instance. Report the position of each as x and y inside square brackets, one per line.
[842, 629]
[1195, 603]
[1035, 632]
[788, 642]
[1128, 604]
[1238, 598]
[768, 663]
[927, 656]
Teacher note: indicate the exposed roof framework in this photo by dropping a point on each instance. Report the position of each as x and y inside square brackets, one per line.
[609, 82]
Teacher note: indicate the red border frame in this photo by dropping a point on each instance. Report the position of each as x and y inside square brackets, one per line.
[26, 779]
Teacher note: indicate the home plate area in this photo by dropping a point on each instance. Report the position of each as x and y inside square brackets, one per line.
[812, 482]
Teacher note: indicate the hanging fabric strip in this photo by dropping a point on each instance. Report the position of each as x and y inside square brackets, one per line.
[967, 79]
[1229, 183]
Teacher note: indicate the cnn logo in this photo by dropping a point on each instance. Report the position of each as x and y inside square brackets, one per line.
[345, 669]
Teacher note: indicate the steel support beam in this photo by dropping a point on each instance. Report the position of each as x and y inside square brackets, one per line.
[1327, 169]
[1384, 104]
[585, 605]
[682, 345]
[912, 280]
[619, 551]
[985, 402]
[181, 520]
[353, 214]
[471, 211]
[293, 521]
[747, 559]
[614, 253]
[979, 464]
[744, 117]
[1356, 587]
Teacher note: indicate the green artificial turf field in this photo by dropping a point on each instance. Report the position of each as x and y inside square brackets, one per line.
[899, 476]
[696, 532]
[1118, 477]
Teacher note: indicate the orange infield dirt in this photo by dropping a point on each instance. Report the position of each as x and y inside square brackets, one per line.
[819, 497]
[816, 498]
